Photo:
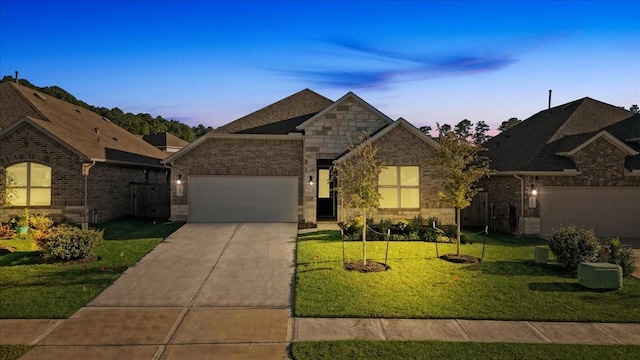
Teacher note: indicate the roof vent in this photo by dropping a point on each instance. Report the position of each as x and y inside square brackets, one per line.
[40, 96]
[96, 130]
[115, 138]
[105, 119]
[78, 111]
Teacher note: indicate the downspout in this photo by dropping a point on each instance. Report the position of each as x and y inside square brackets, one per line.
[170, 171]
[521, 204]
[85, 173]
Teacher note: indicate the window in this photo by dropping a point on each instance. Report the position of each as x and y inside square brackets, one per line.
[31, 183]
[399, 187]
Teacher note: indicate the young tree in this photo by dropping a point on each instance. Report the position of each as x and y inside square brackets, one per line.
[462, 166]
[357, 182]
[7, 191]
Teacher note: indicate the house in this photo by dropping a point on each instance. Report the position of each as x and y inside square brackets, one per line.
[165, 141]
[274, 164]
[577, 163]
[73, 163]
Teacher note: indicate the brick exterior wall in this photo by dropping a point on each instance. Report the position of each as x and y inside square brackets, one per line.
[401, 147]
[600, 164]
[108, 186]
[331, 135]
[252, 157]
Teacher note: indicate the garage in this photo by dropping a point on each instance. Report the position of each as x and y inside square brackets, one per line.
[243, 199]
[609, 211]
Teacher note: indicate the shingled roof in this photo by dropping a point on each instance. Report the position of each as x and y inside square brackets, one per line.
[281, 117]
[87, 133]
[164, 140]
[534, 144]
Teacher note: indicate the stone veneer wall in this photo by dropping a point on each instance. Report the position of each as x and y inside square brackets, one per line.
[252, 157]
[331, 135]
[600, 163]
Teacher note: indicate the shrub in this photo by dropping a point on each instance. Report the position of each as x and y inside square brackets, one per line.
[40, 221]
[413, 236]
[416, 224]
[70, 243]
[572, 246]
[385, 225]
[622, 257]
[6, 231]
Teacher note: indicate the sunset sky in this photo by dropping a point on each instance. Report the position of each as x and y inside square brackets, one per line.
[211, 62]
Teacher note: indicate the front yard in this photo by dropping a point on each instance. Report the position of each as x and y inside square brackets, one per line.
[33, 288]
[506, 285]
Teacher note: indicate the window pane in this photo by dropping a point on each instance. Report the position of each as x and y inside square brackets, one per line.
[19, 197]
[409, 198]
[40, 175]
[410, 175]
[18, 173]
[388, 176]
[389, 198]
[40, 197]
[323, 184]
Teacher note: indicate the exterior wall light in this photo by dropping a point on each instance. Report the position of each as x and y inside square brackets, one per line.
[179, 181]
[534, 190]
[310, 180]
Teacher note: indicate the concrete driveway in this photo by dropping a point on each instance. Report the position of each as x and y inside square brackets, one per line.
[207, 291]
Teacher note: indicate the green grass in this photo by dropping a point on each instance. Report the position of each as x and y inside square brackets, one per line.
[505, 286]
[11, 352]
[33, 288]
[337, 350]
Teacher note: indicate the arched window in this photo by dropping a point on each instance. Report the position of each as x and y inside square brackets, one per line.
[31, 184]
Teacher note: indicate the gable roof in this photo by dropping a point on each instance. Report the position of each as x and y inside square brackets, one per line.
[349, 95]
[90, 135]
[387, 129]
[280, 117]
[534, 144]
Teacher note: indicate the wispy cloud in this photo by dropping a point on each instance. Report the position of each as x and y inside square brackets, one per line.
[398, 65]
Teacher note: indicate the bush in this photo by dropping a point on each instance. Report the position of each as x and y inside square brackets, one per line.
[6, 231]
[70, 243]
[622, 257]
[40, 221]
[572, 246]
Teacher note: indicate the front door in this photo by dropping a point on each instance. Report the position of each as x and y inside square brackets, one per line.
[326, 195]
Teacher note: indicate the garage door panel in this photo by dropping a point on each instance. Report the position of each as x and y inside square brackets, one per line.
[609, 211]
[243, 199]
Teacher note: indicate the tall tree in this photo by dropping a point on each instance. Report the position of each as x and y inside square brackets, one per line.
[463, 129]
[426, 129]
[480, 133]
[462, 167]
[509, 124]
[358, 182]
[634, 108]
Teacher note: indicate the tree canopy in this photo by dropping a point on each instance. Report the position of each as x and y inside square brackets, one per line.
[138, 124]
[461, 166]
[509, 124]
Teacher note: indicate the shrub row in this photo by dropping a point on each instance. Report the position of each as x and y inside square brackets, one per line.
[416, 229]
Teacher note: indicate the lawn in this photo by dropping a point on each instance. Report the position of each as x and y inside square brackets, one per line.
[33, 288]
[337, 350]
[506, 285]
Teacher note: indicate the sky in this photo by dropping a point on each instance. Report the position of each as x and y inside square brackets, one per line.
[211, 62]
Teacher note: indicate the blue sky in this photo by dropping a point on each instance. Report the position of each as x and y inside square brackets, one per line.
[211, 62]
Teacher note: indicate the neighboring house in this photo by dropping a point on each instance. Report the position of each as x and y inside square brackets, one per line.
[576, 163]
[274, 164]
[165, 141]
[72, 163]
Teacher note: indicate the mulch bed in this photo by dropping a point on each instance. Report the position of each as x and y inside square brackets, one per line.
[370, 266]
[460, 259]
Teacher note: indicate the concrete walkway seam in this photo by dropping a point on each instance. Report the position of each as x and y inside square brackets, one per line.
[46, 332]
[614, 335]
[461, 330]
[538, 331]
[383, 328]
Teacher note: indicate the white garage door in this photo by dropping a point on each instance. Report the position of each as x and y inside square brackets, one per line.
[243, 199]
[609, 211]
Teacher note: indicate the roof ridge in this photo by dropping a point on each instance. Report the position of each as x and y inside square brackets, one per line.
[28, 101]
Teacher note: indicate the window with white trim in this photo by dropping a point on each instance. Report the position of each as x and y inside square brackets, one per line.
[399, 187]
[31, 184]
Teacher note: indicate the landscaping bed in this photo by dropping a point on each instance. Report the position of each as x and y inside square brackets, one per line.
[505, 285]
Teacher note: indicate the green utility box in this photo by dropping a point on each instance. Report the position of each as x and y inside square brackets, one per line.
[541, 255]
[602, 276]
